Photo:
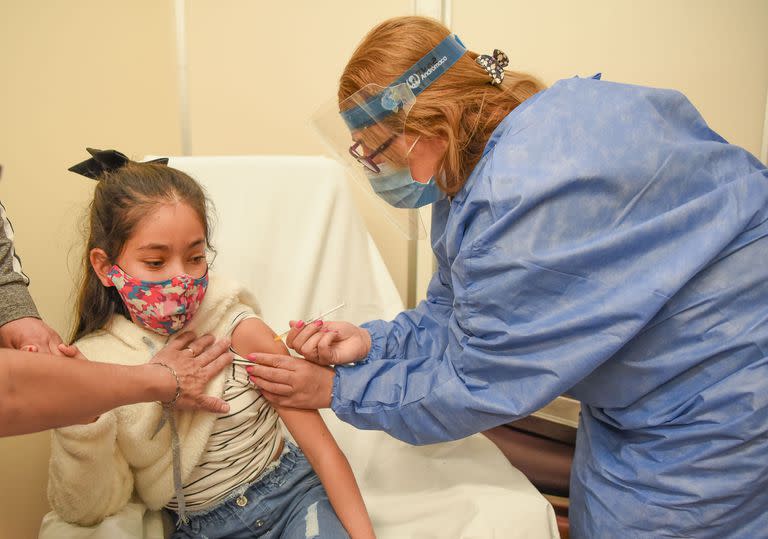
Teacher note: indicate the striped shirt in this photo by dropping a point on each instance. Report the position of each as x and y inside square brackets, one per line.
[241, 445]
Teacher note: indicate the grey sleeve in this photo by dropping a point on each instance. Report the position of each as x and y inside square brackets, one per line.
[15, 301]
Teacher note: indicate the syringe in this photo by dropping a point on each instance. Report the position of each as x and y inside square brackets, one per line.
[326, 313]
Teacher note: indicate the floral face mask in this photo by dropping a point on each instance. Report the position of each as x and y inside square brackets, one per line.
[164, 307]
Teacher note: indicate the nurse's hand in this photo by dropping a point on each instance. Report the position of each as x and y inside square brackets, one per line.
[329, 343]
[291, 381]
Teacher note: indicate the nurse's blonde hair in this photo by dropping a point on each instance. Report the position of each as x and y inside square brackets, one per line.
[460, 107]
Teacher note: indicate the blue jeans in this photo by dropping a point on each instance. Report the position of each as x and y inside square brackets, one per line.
[288, 501]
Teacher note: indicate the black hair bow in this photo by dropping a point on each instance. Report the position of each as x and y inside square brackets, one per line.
[494, 65]
[102, 161]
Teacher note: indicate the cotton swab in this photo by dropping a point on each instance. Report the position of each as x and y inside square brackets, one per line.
[326, 313]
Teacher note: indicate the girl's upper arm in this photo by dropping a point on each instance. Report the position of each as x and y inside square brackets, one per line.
[306, 426]
[254, 335]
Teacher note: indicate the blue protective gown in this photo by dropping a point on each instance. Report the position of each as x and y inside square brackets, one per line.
[609, 246]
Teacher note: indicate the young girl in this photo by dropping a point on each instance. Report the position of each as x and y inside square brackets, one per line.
[146, 277]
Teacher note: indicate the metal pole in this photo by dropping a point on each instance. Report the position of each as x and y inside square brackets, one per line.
[764, 149]
[423, 258]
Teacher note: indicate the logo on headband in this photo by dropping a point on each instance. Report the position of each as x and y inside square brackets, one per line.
[394, 97]
[415, 80]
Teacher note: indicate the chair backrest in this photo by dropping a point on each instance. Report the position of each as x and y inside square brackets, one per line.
[287, 227]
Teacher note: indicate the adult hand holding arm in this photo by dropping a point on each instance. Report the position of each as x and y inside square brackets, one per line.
[47, 392]
[298, 383]
[293, 382]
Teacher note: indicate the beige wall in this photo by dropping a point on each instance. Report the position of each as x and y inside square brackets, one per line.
[714, 51]
[102, 73]
[257, 75]
[73, 74]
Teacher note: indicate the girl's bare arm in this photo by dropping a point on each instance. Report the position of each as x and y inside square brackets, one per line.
[314, 438]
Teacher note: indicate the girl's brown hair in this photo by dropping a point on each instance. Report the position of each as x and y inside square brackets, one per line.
[122, 198]
[460, 107]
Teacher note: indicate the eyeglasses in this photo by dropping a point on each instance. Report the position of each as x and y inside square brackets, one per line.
[368, 160]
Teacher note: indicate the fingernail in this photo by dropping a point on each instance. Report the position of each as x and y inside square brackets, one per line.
[225, 408]
[319, 323]
[300, 324]
[249, 370]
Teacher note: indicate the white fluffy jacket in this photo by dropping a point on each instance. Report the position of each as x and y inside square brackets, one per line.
[95, 468]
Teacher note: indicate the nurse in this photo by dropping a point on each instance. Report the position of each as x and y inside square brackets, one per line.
[593, 238]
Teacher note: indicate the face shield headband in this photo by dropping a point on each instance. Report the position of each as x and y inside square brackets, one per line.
[418, 77]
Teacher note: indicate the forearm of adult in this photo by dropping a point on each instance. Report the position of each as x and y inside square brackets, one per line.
[49, 392]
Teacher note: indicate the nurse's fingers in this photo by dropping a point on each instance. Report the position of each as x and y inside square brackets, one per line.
[309, 349]
[272, 398]
[307, 331]
[267, 387]
[296, 326]
[278, 361]
[271, 374]
[324, 347]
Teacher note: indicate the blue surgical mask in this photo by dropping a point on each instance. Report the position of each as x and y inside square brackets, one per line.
[399, 189]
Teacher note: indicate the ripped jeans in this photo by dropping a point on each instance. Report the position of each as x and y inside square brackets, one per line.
[288, 502]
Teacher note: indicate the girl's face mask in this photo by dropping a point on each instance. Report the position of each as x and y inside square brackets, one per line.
[164, 307]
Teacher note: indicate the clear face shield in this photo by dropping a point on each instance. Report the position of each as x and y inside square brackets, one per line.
[367, 133]
[370, 141]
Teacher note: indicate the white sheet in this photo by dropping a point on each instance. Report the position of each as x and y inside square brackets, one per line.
[288, 228]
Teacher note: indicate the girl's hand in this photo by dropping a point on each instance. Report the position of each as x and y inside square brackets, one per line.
[196, 361]
[329, 343]
[290, 381]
